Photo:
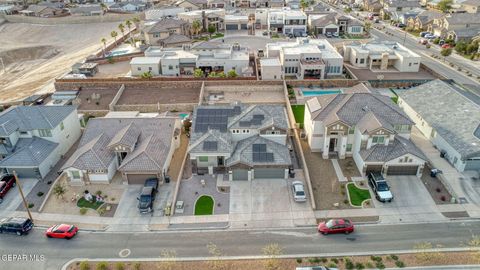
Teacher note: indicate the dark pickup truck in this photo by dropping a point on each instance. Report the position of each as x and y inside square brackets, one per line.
[6, 183]
[151, 182]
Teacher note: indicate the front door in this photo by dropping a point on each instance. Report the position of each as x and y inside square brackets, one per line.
[333, 144]
[220, 161]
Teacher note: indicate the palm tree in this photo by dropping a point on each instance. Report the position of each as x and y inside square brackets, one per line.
[128, 23]
[104, 41]
[122, 29]
[196, 27]
[136, 21]
[114, 34]
[103, 6]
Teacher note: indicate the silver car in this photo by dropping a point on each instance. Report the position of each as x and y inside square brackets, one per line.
[298, 191]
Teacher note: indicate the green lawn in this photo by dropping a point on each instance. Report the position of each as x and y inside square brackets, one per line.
[204, 206]
[82, 203]
[357, 196]
[299, 113]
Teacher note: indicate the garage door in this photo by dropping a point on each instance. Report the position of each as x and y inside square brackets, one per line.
[269, 173]
[139, 179]
[231, 27]
[374, 168]
[240, 174]
[243, 27]
[472, 165]
[402, 170]
[26, 172]
[331, 30]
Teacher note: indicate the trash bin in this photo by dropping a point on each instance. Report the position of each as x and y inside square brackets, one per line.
[167, 179]
[434, 172]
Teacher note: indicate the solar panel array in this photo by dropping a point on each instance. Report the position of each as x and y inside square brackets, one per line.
[256, 120]
[210, 146]
[260, 153]
[212, 118]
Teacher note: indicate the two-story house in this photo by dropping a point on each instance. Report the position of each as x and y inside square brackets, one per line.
[167, 32]
[471, 6]
[34, 138]
[137, 147]
[190, 5]
[287, 21]
[454, 21]
[245, 142]
[423, 20]
[206, 18]
[365, 126]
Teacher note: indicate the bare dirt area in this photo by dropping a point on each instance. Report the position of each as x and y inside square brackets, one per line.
[35, 54]
[357, 262]
[349, 169]
[141, 95]
[435, 187]
[117, 69]
[96, 98]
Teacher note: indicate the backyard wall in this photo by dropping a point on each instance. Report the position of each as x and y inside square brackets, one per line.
[72, 19]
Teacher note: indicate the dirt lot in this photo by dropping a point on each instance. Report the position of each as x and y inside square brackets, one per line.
[106, 97]
[326, 187]
[390, 261]
[435, 187]
[366, 74]
[138, 95]
[117, 69]
[35, 54]
[349, 168]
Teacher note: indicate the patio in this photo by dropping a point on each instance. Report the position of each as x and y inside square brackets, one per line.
[193, 188]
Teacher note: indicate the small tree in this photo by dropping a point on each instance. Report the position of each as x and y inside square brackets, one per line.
[211, 29]
[445, 5]
[198, 73]
[114, 35]
[461, 47]
[212, 74]
[424, 254]
[146, 75]
[221, 74]
[304, 4]
[272, 252]
[121, 27]
[232, 74]
[59, 190]
[216, 253]
[128, 23]
[472, 48]
[367, 26]
[104, 48]
[170, 256]
[446, 52]
[196, 26]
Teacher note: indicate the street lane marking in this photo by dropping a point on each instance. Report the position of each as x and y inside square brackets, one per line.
[124, 253]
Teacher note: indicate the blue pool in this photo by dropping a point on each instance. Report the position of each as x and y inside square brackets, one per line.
[115, 53]
[183, 115]
[310, 92]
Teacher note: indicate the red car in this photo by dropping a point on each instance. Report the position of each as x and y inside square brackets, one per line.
[336, 226]
[62, 231]
[6, 183]
[446, 46]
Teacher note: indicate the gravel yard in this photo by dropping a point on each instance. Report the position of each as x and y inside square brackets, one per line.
[34, 55]
[140, 95]
[106, 97]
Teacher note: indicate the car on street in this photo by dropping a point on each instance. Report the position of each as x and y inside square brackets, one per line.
[265, 33]
[423, 41]
[6, 183]
[429, 36]
[64, 231]
[298, 190]
[422, 34]
[336, 226]
[145, 200]
[152, 182]
[380, 187]
[446, 46]
[16, 225]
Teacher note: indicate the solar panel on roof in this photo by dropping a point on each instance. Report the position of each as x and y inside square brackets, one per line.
[210, 146]
[259, 116]
[259, 147]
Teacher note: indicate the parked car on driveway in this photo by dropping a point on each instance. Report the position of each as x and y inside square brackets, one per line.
[422, 34]
[380, 187]
[336, 226]
[328, 35]
[64, 231]
[145, 200]
[335, 34]
[6, 183]
[298, 191]
[16, 225]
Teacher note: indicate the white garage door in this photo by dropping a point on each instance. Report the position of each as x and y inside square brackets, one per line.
[269, 173]
[240, 175]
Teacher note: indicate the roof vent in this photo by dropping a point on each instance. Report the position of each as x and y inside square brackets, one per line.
[366, 109]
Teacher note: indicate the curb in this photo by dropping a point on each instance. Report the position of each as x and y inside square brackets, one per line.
[347, 254]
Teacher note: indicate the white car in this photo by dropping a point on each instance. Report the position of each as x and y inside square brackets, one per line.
[298, 191]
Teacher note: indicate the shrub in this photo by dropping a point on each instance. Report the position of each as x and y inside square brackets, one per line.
[345, 201]
[359, 266]
[369, 265]
[400, 264]
[362, 184]
[376, 258]
[299, 260]
[40, 194]
[84, 265]
[98, 192]
[332, 265]
[31, 205]
[349, 264]
[438, 190]
[120, 266]
[136, 266]
[102, 266]
[83, 211]
[311, 260]
[394, 257]
[343, 193]
[335, 260]
[380, 265]
[443, 198]
[324, 260]
[342, 186]
[101, 211]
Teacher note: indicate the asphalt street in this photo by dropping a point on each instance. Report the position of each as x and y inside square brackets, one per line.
[296, 242]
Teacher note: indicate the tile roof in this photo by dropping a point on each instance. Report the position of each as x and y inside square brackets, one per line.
[165, 25]
[383, 153]
[454, 117]
[149, 151]
[29, 152]
[27, 118]
[243, 153]
[463, 18]
[175, 38]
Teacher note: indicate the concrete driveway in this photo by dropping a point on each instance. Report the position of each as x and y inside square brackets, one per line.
[412, 202]
[266, 203]
[13, 199]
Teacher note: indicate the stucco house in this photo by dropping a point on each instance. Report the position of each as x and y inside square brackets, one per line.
[245, 142]
[471, 6]
[456, 21]
[190, 5]
[451, 122]
[34, 138]
[365, 126]
[422, 21]
[167, 32]
[137, 147]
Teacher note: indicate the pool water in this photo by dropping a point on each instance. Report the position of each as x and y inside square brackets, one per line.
[183, 115]
[114, 53]
[310, 92]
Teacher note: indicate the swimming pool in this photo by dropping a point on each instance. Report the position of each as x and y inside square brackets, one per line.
[121, 52]
[183, 115]
[310, 92]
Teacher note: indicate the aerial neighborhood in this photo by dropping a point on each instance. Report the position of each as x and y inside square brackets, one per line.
[266, 121]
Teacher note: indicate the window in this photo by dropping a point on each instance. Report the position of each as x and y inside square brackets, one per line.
[45, 132]
[139, 68]
[61, 126]
[362, 61]
[170, 67]
[351, 130]
[76, 174]
[203, 159]
[150, 68]
[349, 147]
[378, 139]
[23, 133]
